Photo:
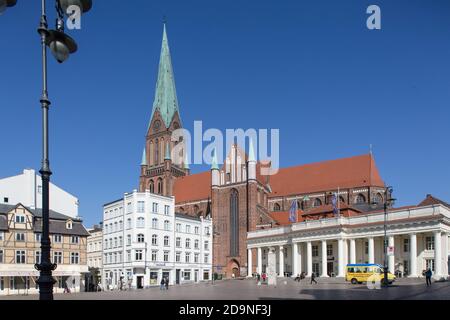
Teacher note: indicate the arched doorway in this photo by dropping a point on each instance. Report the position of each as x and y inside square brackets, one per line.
[234, 269]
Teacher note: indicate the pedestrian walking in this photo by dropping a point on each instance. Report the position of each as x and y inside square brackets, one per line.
[166, 283]
[264, 276]
[313, 278]
[162, 284]
[258, 278]
[428, 275]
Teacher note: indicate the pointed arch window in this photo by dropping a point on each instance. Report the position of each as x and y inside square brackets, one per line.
[156, 159]
[360, 198]
[160, 186]
[276, 207]
[317, 202]
[152, 186]
[234, 223]
[378, 198]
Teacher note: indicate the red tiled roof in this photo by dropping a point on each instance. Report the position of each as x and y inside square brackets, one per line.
[327, 175]
[430, 200]
[343, 173]
[192, 187]
[329, 208]
[282, 217]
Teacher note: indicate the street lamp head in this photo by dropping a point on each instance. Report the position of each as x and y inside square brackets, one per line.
[11, 3]
[84, 5]
[5, 4]
[61, 45]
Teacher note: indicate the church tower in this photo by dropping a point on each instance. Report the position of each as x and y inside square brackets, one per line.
[158, 169]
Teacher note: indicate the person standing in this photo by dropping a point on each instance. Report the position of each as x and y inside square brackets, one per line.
[162, 284]
[313, 278]
[428, 275]
[166, 283]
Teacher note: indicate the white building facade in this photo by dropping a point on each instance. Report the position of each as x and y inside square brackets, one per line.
[26, 188]
[144, 240]
[418, 237]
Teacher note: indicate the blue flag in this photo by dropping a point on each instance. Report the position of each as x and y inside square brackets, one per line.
[334, 203]
[293, 212]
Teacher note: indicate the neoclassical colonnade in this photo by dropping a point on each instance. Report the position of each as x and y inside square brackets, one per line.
[419, 236]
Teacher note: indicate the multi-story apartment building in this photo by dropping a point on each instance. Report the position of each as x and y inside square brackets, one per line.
[20, 237]
[144, 241]
[94, 257]
[95, 247]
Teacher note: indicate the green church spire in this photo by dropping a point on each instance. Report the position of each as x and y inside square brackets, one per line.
[165, 95]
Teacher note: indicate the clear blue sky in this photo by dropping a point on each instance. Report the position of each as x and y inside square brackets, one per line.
[310, 68]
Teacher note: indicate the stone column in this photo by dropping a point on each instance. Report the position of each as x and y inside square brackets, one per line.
[309, 258]
[341, 269]
[324, 259]
[437, 255]
[259, 261]
[352, 251]
[299, 258]
[294, 259]
[391, 259]
[281, 262]
[271, 267]
[413, 255]
[371, 250]
[445, 255]
[249, 262]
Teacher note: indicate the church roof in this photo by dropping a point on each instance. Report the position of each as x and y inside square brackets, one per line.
[431, 200]
[193, 187]
[343, 173]
[165, 101]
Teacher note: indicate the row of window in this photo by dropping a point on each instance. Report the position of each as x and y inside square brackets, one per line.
[57, 238]
[95, 263]
[139, 256]
[139, 209]
[21, 257]
[94, 246]
[429, 245]
[317, 202]
[140, 223]
[140, 238]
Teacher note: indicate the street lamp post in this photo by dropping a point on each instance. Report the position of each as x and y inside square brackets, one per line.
[387, 202]
[61, 46]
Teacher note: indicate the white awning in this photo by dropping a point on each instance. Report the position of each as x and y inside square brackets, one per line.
[57, 273]
[19, 274]
[36, 274]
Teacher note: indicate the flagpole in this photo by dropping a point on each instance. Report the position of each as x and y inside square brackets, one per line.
[339, 203]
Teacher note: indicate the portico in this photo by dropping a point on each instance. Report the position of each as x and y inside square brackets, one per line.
[419, 237]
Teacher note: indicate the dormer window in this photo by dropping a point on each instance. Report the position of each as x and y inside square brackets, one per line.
[69, 225]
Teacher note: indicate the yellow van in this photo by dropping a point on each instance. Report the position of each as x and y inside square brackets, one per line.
[358, 273]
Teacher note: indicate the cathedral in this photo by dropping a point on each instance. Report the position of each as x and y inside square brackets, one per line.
[235, 194]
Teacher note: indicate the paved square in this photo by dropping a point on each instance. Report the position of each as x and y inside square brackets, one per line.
[285, 289]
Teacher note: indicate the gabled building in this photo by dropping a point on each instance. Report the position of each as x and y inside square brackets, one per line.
[20, 249]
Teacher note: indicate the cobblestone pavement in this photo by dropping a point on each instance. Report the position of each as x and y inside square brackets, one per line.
[285, 289]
